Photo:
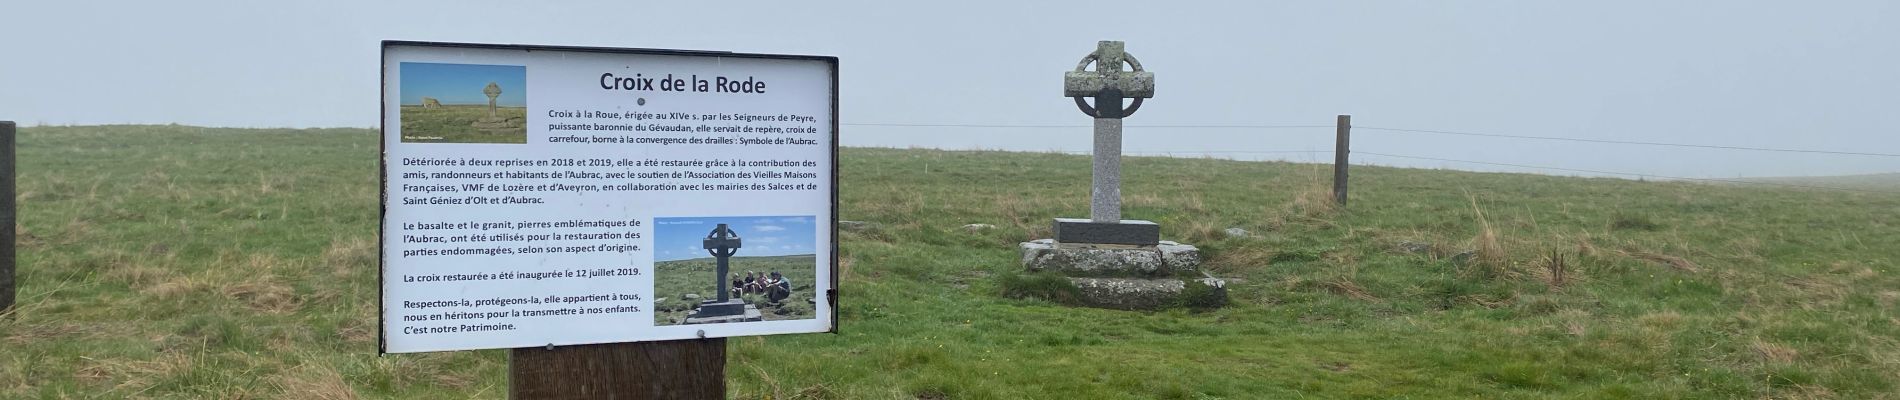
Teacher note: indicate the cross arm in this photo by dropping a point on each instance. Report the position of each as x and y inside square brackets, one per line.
[1133, 84]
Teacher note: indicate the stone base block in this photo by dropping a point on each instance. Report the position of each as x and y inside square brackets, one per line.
[1180, 257]
[1150, 294]
[745, 313]
[1128, 231]
[711, 308]
[1164, 259]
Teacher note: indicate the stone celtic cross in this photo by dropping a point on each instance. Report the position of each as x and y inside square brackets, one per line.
[722, 243]
[1110, 86]
[492, 91]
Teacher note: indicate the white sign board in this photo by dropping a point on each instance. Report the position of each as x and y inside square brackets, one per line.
[537, 196]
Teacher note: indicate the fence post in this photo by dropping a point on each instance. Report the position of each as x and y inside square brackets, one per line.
[8, 214]
[1341, 150]
[674, 369]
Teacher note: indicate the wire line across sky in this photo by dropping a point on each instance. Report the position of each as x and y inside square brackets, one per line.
[1405, 130]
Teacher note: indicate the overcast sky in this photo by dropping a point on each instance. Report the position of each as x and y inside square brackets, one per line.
[1807, 75]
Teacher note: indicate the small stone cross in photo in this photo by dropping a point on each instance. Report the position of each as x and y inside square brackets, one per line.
[492, 91]
[722, 243]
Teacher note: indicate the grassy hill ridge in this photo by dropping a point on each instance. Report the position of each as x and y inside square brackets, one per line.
[170, 261]
[1887, 181]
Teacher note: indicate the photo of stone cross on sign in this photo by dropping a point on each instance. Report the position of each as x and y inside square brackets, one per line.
[722, 243]
[1110, 86]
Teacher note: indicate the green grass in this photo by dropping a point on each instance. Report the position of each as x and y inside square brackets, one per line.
[459, 124]
[182, 262]
[672, 280]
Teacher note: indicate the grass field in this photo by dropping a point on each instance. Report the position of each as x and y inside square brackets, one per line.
[672, 280]
[183, 262]
[462, 124]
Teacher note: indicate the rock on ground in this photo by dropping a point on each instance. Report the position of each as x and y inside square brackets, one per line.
[856, 226]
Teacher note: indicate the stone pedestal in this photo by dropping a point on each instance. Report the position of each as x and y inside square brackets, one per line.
[1128, 231]
[714, 312]
[1150, 294]
[1112, 262]
[1129, 277]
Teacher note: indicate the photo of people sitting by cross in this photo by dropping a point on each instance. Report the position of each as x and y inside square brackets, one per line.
[712, 270]
[774, 286]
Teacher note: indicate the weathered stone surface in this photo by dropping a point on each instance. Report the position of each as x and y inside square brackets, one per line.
[1128, 294]
[1237, 233]
[856, 226]
[1105, 190]
[1463, 257]
[721, 308]
[1108, 57]
[1414, 247]
[751, 314]
[1179, 257]
[1128, 231]
[1150, 294]
[978, 227]
[1046, 254]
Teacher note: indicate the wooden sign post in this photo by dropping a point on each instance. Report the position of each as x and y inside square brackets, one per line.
[1342, 151]
[8, 215]
[677, 369]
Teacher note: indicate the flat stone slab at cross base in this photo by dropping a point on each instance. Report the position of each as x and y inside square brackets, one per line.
[1164, 259]
[747, 313]
[711, 308]
[1150, 294]
[1128, 231]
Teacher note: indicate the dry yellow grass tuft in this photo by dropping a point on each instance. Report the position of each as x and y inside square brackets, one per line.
[356, 330]
[1013, 209]
[1555, 271]
[1817, 290]
[1573, 322]
[345, 257]
[1678, 263]
[1666, 320]
[136, 377]
[1346, 286]
[139, 274]
[314, 381]
[1585, 248]
[1240, 259]
[1312, 203]
[1490, 255]
[1202, 231]
[265, 292]
[1774, 353]
[175, 287]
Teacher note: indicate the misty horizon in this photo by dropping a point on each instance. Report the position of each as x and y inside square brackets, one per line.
[1243, 81]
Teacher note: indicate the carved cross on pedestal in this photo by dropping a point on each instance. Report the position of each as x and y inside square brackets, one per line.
[492, 91]
[722, 243]
[1110, 86]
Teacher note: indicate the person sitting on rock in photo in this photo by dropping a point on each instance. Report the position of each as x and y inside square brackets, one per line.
[738, 286]
[754, 282]
[780, 288]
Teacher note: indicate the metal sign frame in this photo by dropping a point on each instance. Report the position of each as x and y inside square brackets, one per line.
[382, 159]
